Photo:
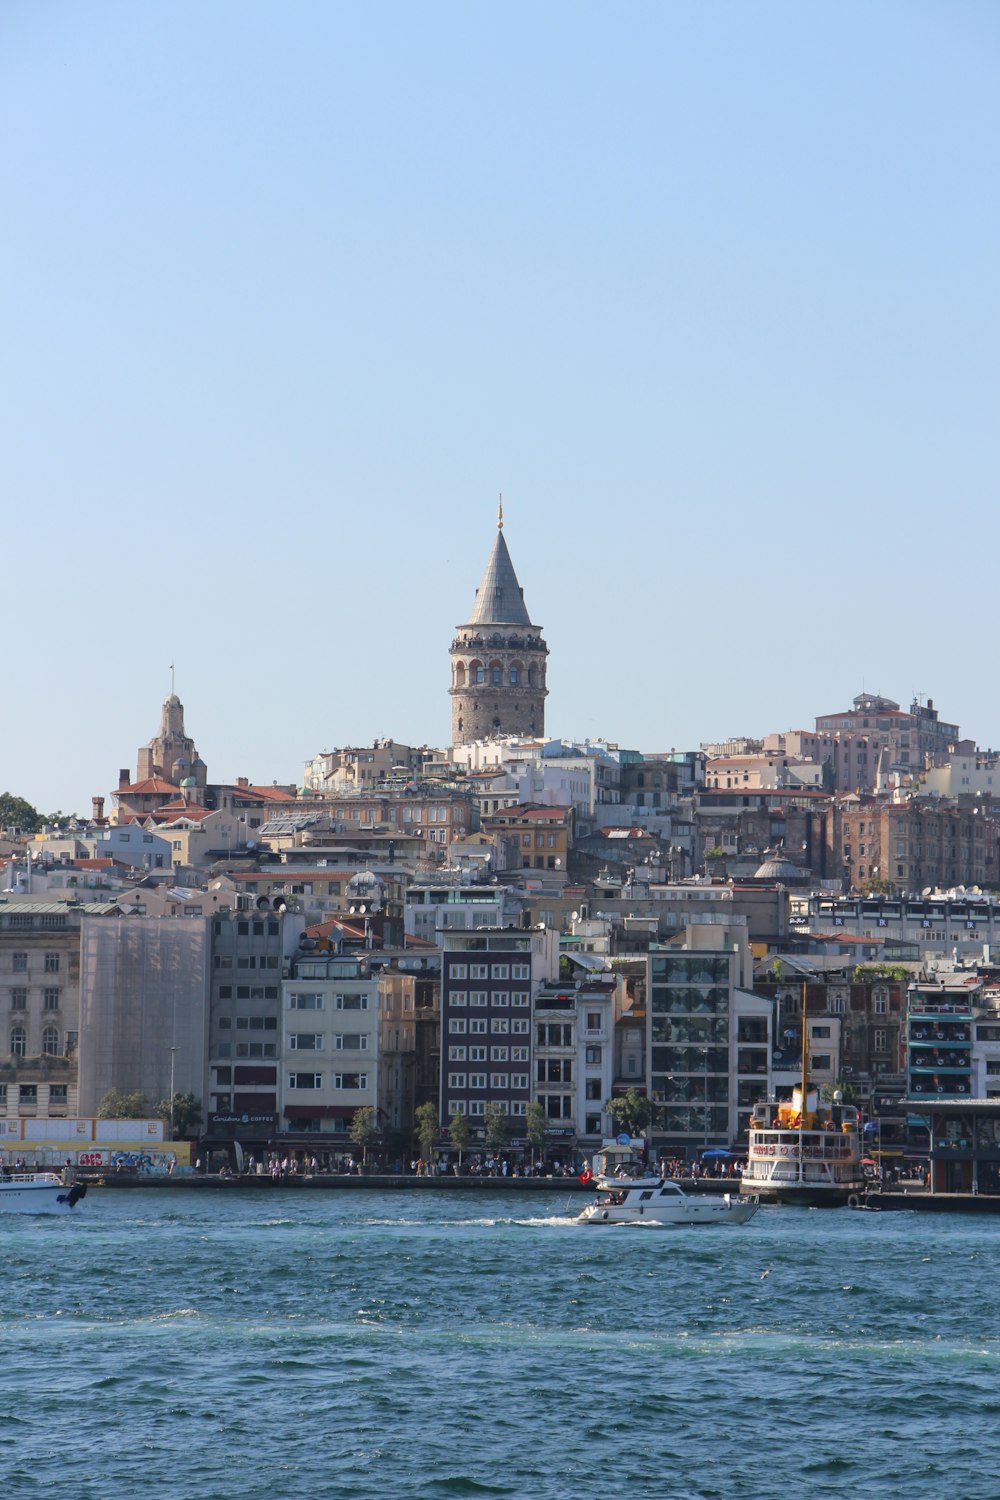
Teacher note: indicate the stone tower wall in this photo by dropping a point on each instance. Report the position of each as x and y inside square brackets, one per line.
[509, 698]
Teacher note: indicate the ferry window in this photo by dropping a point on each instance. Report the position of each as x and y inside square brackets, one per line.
[644, 1197]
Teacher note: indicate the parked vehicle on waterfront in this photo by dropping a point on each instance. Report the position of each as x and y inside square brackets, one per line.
[39, 1193]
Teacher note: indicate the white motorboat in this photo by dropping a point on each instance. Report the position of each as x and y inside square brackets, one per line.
[39, 1193]
[651, 1200]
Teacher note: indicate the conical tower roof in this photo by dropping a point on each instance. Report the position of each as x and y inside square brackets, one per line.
[499, 599]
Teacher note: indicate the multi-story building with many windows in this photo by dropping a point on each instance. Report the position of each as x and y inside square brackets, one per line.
[693, 1038]
[40, 1004]
[489, 976]
[329, 1047]
[251, 951]
[574, 1055]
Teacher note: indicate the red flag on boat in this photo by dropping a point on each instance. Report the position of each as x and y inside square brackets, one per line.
[586, 1176]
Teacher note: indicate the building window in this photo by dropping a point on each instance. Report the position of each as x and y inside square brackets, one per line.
[19, 999]
[52, 963]
[18, 1041]
[51, 999]
[350, 1041]
[20, 963]
[457, 1025]
[306, 1041]
[350, 1002]
[593, 1055]
[593, 1088]
[881, 1040]
[457, 1054]
[305, 1080]
[50, 1042]
[350, 1080]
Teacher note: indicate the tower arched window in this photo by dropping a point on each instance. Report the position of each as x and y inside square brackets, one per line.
[512, 677]
[480, 674]
[497, 674]
[18, 1041]
[50, 1042]
[460, 674]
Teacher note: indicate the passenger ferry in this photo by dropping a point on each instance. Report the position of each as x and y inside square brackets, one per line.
[803, 1151]
[809, 1154]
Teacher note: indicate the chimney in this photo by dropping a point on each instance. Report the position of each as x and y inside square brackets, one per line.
[98, 814]
[124, 778]
[242, 781]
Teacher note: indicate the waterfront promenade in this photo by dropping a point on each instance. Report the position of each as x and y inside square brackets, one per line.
[913, 1197]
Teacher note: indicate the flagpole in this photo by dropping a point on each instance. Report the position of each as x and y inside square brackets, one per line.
[805, 1077]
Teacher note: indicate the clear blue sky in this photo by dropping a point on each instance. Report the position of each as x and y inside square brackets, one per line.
[710, 292]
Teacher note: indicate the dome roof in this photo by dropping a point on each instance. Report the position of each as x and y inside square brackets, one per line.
[189, 781]
[777, 867]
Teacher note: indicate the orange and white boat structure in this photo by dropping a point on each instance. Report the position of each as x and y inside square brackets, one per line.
[803, 1151]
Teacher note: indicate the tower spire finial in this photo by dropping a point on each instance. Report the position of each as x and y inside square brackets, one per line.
[171, 679]
[500, 515]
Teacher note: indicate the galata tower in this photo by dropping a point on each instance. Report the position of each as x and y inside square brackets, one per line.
[498, 659]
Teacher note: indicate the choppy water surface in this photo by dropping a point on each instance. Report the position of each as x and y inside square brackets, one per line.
[308, 1344]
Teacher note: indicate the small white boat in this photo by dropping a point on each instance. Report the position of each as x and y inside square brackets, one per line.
[652, 1200]
[39, 1193]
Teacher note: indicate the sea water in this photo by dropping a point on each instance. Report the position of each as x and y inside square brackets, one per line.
[304, 1344]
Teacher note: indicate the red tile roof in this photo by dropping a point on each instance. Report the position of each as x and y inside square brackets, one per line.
[144, 788]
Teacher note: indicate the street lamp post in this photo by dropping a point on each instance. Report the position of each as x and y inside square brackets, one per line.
[173, 1053]
[704, 1055]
